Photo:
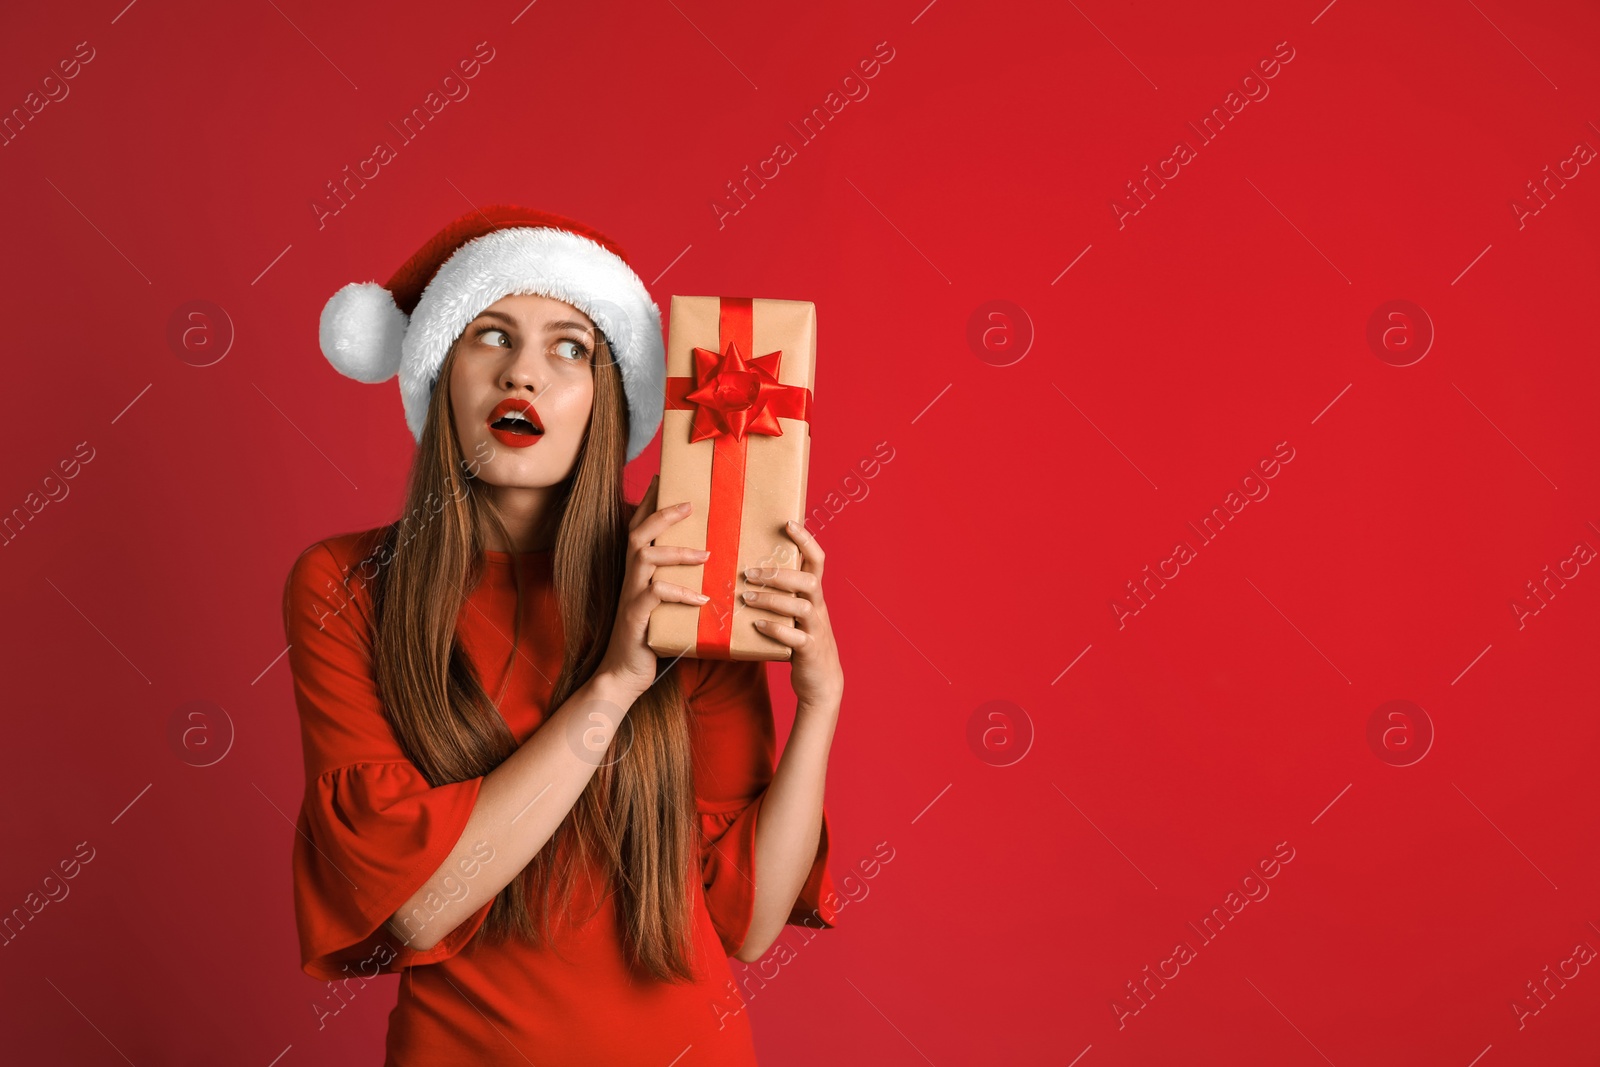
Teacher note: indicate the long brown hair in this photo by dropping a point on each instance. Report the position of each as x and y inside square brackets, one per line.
[635, 819]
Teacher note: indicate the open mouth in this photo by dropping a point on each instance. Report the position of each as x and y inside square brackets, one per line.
[515, 423]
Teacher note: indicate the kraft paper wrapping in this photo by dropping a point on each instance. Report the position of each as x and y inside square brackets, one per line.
[774, 483]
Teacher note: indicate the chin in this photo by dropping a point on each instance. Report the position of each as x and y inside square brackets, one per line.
[518, 483]
[516, 472]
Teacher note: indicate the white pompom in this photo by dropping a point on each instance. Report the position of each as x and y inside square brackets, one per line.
[361, 331]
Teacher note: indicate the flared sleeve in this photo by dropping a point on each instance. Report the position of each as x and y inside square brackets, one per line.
[371, 831]
[735, 747]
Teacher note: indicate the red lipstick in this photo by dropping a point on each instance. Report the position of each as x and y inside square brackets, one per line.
[510, 429]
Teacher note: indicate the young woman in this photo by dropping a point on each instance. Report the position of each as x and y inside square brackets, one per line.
[554, 838]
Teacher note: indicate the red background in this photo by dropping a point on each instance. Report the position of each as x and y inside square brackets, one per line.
[1230, 314]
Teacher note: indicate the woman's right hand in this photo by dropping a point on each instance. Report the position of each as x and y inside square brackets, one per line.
[629, 661]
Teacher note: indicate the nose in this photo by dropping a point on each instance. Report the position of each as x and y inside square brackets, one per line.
[526, 374]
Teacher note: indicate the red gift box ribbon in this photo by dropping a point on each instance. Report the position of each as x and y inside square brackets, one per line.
[732, 397]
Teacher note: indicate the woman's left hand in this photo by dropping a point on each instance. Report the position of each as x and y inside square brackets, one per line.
[817, 678]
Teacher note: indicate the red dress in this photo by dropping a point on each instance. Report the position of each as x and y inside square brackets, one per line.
[372, 831]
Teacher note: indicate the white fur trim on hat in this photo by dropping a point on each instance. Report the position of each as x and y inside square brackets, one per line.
[545, 262]
[360, 332]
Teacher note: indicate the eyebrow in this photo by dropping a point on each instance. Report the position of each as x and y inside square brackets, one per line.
[550, 327]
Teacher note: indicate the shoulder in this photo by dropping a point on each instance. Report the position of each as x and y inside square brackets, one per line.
[712, 685]
[335, 568]
[342, 552]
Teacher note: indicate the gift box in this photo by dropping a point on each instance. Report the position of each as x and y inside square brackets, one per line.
[736, 441]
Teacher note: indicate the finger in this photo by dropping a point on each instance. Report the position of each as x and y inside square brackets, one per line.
[642, 566]
[673, 593]
[810, 551]
[778, 602]
[654, 526]
[647, 505]
[667, 555]
[785, 578]
[784, 634]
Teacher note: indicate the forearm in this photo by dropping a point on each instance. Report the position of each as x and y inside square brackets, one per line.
[519, 806]
[789, 827]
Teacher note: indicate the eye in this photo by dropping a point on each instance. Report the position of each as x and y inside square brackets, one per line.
[495, 330]
[574, 350]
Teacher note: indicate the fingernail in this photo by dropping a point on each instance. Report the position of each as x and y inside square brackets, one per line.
[793, 525]
[701, 597]
[684, 506]
[702, 553]
[748, 597]
[751, 572]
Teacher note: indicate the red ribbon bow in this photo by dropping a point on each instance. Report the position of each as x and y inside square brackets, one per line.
[731, 398]
[734, 397]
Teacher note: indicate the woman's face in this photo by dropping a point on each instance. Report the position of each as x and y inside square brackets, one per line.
[527, 355]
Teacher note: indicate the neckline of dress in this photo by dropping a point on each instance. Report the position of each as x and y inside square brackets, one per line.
[504, 558]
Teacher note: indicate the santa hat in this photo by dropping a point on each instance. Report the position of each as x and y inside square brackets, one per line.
[370, 331]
